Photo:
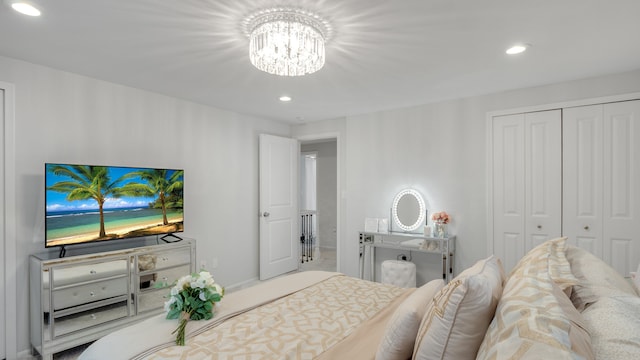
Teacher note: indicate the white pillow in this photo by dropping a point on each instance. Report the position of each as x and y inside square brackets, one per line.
[614, 325]
[596, 278]
[459, 315]
[400, 333]
[635, 278]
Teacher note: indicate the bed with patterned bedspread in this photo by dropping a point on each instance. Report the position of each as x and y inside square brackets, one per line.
[305, 315]
[559, 302]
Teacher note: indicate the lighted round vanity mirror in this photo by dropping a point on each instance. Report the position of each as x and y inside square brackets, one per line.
[408, 210]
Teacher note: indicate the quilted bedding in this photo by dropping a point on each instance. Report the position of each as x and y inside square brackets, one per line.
[324, 314]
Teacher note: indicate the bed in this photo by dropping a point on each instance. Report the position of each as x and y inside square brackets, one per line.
[559, 302]
[304, 315]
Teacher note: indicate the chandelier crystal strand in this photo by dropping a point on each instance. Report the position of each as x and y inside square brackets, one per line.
[287, 42]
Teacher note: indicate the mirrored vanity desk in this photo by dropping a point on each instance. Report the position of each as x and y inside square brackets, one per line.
[78, 299]
[370, 241]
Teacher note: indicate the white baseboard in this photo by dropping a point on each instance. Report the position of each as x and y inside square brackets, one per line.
[26, 355]
[242, 285]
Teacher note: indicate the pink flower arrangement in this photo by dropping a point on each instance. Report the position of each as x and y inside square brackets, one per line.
[441, 217]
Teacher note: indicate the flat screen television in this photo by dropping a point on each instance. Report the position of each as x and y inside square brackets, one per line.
[88, 203]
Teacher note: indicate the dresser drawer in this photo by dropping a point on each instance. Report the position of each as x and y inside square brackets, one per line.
[152, 297]
[163, 278]
[89, 292]
[176, 257]
[66, 325]
[152, 300]
[82, 273]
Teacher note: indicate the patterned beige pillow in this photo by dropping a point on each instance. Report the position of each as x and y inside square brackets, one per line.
[578, 333]
[400, 333]
[548, 258]
[596, 278]
[614, 324]
[458, 317]
[535, 320]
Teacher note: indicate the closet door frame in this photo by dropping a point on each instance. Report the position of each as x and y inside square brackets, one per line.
[7, 217]
[489, 148]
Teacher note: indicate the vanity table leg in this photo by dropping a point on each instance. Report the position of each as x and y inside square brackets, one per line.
[450, 266]
[363, 257]
[372, 259]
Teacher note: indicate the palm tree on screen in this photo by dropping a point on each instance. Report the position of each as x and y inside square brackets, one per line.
[91, 182]
[163, 183]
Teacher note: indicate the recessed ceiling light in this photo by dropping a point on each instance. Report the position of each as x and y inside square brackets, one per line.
[25, 8]
[285, 98]
[517, 49]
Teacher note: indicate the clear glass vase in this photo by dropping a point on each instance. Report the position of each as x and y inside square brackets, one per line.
[439, 229]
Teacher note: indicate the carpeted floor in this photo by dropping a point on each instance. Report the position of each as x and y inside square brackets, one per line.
[324, 259]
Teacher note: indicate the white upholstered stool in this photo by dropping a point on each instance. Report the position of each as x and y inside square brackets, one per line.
[399, 273]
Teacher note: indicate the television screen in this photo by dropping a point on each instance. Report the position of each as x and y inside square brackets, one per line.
[86, 203]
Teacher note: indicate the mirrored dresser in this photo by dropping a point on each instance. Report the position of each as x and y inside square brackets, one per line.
[78, 299]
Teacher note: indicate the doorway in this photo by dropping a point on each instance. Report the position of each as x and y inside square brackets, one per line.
[319, 202]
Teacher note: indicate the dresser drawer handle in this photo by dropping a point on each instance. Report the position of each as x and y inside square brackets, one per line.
[92, 294]
[164, 278]
[92, 272]
[93, 316]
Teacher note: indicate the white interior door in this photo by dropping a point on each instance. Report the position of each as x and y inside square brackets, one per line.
[508, 188]
[583, 177]
[621, 211]
[279, 237]
[543, 177]
[602, 181]
[527, 182]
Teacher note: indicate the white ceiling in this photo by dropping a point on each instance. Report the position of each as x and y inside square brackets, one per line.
[384, 54]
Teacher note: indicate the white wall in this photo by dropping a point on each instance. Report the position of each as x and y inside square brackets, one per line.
[62, 117]
[440, 150]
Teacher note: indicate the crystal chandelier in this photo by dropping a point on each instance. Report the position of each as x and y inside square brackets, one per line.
[286, 42]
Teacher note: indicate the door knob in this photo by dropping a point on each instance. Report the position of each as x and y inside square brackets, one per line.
[586, 227]
[266, 214]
